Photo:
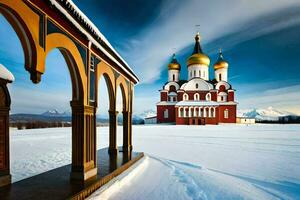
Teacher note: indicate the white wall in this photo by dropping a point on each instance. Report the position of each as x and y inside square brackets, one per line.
[224, 74]
[200, 71]
[245, 120]
[202, 85]
[175, 73]
[151, 121]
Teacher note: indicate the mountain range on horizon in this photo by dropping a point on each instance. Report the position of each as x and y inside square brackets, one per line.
[268, 114]
[260, 114]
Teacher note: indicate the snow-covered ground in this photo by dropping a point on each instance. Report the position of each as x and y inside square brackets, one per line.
[184, 162]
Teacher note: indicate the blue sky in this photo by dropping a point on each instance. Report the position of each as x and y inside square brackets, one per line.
[260, 39]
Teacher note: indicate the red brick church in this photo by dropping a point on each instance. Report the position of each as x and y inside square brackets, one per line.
[198, 100]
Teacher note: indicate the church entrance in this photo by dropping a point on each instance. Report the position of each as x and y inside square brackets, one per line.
[196, 121]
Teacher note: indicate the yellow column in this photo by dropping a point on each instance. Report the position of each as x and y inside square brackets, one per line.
[84, 164]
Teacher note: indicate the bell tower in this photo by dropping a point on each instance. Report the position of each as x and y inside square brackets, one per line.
[174, 70]
[221, 68]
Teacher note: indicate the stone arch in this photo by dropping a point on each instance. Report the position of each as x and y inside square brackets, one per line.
[24, 35]
[74, 62]
[121, 82]
[105, 71]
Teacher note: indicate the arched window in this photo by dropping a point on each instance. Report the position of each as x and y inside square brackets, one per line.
[208, 97]
[212, 112]
[200, 73]
[190, 74]
[181, 112]
[172, 88]
[173, 77]
[194, 73]
[226, 113]
[197, 85]
[220, 77]
[166, 113]
[196, 97]
[185, 97]
[222, 88]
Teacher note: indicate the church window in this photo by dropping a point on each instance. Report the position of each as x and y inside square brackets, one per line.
[204, 74]
[191, 74]
[222, 98]
[186, 112]
[196, 97]
[208, 97]
[181, 112]
[226, 114]
[166, 113]
[185, 97]
[172, 88]
[220, 77]
[173, 77]
[197, 85]
[212, 112]
[199, 73]
[194, 73]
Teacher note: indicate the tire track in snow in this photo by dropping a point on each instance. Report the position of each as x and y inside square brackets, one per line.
[192, 189]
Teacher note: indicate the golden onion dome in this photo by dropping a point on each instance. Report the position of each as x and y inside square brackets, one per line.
[221, 63]
[198, 57]
[174, 65]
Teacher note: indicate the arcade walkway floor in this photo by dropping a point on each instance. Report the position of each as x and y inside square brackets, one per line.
[56, 184]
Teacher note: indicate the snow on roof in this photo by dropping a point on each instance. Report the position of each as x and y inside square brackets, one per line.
[164, 103]
[172, 94]
[5, 74]
[63, 5]
[151, 117]
[197, 103]
[222, 94]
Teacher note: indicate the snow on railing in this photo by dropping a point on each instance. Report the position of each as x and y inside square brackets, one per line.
[118, 182]
[93, 29]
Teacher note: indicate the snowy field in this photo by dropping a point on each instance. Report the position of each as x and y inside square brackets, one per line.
[184, 162]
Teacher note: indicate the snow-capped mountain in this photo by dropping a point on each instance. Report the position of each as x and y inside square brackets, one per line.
[56, 113]
[269, 114]
[147, 113]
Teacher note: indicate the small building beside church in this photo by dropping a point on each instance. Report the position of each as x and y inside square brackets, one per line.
[198, 100]
[245, 120]
[151, 120]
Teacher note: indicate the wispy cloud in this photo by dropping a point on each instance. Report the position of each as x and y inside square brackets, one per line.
[36, 101]
[285, 98]
[175, 29]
